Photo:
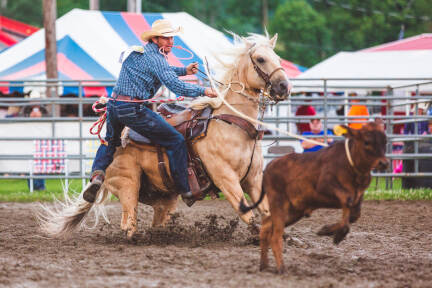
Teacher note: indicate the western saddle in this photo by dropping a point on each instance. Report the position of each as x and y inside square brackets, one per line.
[192, 124]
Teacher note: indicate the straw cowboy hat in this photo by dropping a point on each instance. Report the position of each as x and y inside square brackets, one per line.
[163, 28]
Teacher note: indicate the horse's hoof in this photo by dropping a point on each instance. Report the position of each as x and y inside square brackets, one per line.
[130, 235]
[263, 266]
[340, 235]
[281, 270]
[326, 230]
[253, 228]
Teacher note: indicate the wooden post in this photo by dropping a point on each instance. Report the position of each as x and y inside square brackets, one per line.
[49, 18]
[3, 4]
[94, 4]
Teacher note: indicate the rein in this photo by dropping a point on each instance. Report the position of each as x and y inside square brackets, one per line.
[253, 149]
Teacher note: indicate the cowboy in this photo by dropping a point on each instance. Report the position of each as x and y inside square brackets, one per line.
[142, 73]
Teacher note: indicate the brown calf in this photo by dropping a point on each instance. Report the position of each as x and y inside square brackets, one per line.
[334, 177]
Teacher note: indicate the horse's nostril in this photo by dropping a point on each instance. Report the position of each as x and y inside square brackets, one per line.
[283, 85]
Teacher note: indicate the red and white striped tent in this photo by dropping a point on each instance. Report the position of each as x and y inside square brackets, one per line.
[12, 31]
[419, 42]
[406, 58]
[89, 44]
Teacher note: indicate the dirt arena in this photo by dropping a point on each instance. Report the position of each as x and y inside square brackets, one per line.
[207, 246]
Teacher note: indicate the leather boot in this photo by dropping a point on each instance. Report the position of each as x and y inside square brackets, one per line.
[96, 181]
[189, 201]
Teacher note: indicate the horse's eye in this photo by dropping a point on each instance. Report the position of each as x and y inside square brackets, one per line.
[260, 60]
[367, 143]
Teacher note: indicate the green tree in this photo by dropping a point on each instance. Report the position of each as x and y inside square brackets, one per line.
[358, 24]
[29, 12]
[64, 6]
[303, 36]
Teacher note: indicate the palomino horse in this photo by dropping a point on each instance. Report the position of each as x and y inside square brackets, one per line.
[232, 159]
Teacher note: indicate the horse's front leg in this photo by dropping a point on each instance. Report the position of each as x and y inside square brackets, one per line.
[233, 192]
[253, 184]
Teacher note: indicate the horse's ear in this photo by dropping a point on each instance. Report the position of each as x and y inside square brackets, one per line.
[349, 132]
[273, 41]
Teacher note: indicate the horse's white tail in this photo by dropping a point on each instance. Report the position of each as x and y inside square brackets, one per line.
[69, 215]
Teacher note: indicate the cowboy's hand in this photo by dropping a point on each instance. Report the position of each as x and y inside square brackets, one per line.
[210, 93]
[192, 68]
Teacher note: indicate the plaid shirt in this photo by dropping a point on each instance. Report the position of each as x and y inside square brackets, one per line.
[142, 74]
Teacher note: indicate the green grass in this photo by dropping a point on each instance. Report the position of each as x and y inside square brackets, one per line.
[12, 190]
[381, 192]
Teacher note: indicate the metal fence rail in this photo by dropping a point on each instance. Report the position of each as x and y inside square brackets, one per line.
[281, 116]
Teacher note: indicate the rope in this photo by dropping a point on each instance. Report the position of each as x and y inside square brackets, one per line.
[102, 119]
[348, 154]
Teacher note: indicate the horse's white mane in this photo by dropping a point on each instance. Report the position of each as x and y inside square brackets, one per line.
[224, 70]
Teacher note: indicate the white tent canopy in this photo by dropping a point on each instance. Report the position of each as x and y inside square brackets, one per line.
[413, 66]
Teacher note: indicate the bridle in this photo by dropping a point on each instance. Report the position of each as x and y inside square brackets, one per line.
[266, 77]
[265, 93]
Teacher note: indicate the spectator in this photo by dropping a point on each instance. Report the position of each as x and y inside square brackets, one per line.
[35, 111]
[13, 111]
[316, 129]
[357, 110]
[38, 184]
[304, 110]
[429, 113]
[423, 128]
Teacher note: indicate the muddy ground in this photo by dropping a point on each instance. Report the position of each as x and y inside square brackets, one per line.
[206, 246]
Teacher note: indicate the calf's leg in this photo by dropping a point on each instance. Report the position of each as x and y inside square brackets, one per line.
[276, 241]
[265, 235]
[338, 230]
[344, 226]
[355, 212]
[280, 220]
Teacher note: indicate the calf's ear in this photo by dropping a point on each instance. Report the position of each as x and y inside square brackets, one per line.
[347, 131]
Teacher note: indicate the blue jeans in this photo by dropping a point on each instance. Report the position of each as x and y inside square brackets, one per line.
[149, 124]
[38, 184]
